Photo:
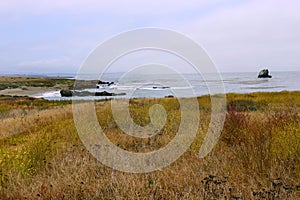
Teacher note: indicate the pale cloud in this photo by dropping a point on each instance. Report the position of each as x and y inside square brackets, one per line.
[238, 35]
[48, 62]
[146, 7]
[43, 66]
[251, 35]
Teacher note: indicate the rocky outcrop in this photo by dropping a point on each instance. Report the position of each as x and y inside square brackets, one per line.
[105, 83]
[264, 74]
[169, 96]
[104, 93]
[162, 87]
[66, 93]
[69, 93]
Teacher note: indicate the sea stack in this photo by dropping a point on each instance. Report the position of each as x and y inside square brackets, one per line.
[264, 74]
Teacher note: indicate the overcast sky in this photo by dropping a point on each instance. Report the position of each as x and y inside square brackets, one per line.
[55, 36]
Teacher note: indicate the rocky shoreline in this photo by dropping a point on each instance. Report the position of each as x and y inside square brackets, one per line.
[70, 93]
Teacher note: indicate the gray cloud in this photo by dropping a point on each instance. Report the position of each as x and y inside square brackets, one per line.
[252, 35]
[238, 35]
[144, 7]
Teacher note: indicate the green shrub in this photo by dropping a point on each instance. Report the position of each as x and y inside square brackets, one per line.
[242, 105]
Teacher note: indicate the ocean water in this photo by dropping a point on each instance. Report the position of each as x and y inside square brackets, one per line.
[186, 85]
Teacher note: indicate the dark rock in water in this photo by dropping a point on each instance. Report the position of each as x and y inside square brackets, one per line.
[264, 74]
[102, 82]
[69, 93]
[66, 93]
[163, 87]
[104, 93]
[169, 96]
[111, 83]
[105, 83]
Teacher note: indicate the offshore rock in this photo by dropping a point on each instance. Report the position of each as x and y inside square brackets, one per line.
[264, 74]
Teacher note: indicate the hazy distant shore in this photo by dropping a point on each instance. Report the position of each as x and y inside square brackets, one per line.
[29, 86]
[26, 91]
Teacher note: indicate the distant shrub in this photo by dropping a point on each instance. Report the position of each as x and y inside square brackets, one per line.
[14, 85]
[242, 105]
[3, 87]
[40, 83]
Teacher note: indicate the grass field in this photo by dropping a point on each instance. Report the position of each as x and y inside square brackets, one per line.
[256, 157]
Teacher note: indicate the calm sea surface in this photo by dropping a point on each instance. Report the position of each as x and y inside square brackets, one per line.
[187, 85]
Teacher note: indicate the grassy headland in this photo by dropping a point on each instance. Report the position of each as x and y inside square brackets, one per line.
[14, 85]
[256, 157]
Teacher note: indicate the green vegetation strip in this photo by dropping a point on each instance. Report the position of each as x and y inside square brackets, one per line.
[19, 82]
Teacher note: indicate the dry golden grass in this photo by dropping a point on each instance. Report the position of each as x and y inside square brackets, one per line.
[25, 120]
[257, 156]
